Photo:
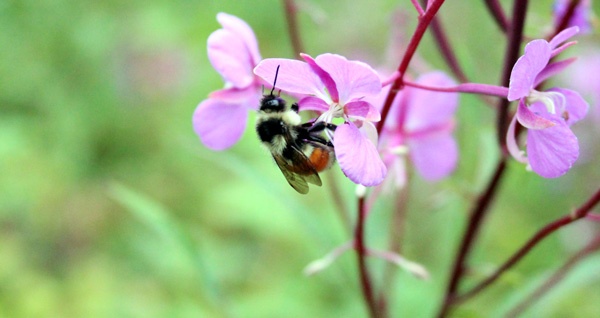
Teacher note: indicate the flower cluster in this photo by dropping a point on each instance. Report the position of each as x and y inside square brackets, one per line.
[376, 128]
[348, 93]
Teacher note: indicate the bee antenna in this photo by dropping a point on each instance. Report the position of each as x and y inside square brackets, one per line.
[275, 81]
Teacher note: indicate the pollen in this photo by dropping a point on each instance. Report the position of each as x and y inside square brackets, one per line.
[320, 159]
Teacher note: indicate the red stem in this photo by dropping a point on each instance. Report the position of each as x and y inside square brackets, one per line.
[469, 237]
[361, 252]
[529, 245]
[512, 54]
[291, 11]
[498, 14]
[424, 21]
[564, 20]
[593, 246]
[443, 44]
[476, 218]
[396, 234]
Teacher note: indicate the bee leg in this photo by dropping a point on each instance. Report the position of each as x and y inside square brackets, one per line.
[320, 126]
[309, 123]
[330, 126]
[319, 140]
[295, 107]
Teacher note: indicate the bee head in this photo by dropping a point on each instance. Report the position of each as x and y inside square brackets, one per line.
[272, 104]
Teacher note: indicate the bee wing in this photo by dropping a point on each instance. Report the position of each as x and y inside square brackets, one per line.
[298, 171]
[295, 180]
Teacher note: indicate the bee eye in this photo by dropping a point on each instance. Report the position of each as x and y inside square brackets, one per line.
[273, 102]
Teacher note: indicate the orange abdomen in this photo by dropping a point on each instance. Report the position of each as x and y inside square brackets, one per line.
[321, 159]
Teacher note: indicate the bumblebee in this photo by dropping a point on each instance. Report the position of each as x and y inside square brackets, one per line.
[298, 149]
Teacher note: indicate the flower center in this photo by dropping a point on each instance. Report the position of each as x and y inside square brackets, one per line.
[552, 100]
[336, 110]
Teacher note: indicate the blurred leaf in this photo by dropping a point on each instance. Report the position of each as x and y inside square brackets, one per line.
[157, 219]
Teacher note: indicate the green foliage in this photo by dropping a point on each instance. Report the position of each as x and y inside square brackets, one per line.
[111, 207]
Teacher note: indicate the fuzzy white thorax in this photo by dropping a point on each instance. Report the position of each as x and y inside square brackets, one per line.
[291, 118]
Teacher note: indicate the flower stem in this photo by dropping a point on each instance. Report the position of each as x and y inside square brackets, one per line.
[443, 44]
[424, 21]
[594, 217]
[291, 15]
[396, 233]
[533, 241]
[512, 54]
[593, 246]
[339, 203]
[361, 252]
[470, 88]
[418, 7]
[564, 20]
[498, 14]
[470, 234]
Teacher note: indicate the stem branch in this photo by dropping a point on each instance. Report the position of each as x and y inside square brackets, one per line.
[471, 232]
[564, 20]
[593, 246]
[361, 252]
[498, 14]
[533, 241]
[424, 21]
[291, 14]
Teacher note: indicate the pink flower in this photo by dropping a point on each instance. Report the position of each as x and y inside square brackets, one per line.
[221, 119]
[335, 87]
[581, 17]
[421, 123]
[586, 82]
[552, 148]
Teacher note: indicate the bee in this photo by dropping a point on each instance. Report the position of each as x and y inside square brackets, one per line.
[298, 149]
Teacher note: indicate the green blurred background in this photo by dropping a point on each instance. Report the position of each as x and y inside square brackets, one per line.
[111, 207]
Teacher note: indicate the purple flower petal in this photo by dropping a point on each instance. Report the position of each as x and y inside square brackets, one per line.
[576, 107]
[229, 55]
[353, 79]
[528, 66]
[362, 110]
[531, 120]
[561, 48]
[396, 173]
[398, 169]
[563, 36]
[552, 151]
[313, 103]
[428, 109]
[326, 79]
[219, 123]
[294, 77]
[434, 155]
[552, 69]
[357, 156]
[244, 31]
[368, 130]
[511, 142]
[248, 97]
